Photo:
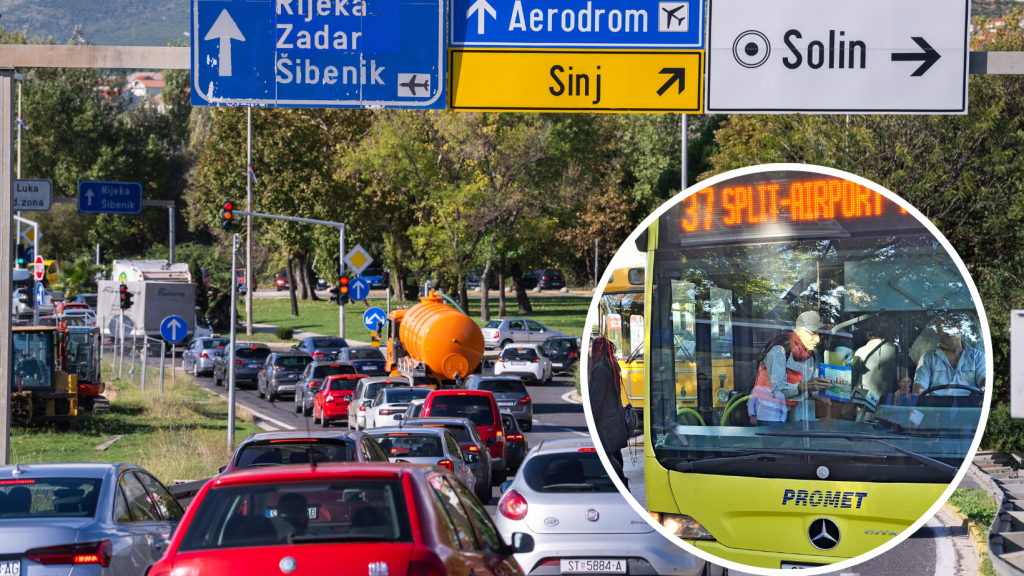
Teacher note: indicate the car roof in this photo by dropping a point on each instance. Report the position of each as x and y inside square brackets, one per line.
[301, 435]
[397, 430]
[442, 420]
[313, 473]
[533, 346]
[461, 392]
[291, 355]
[374, 379]
[332, 363]
[573, 338]
[483, 378]
[72, 469]
[251, 345]
[564, 445]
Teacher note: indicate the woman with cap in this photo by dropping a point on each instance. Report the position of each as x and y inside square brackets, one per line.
[787, 374]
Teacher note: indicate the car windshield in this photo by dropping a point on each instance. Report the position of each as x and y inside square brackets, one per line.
[560, 345]
[49, 497]
[91, 301]
[281, 452]
[252, 353]
[567, 472]
[33, 360]
[330, 370]
[402, 396]
[329, 343]
[292, 361]
[216, 343]
[364, 354]
[411, 445]
[503, 386]
[280, 514]
[462, 435]
[477, 408]
[730, 345]
[519, 354]
[340, 384]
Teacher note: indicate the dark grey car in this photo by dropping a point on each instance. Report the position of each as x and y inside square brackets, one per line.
[200, 354]
[117, 518]
[311, 379]
[320, 348]
[280, 374]
[367, 359]
[249, 360]
[564, 353]
[474, 448]
[510, 393]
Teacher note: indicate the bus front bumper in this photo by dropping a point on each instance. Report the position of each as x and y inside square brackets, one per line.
[761, 558]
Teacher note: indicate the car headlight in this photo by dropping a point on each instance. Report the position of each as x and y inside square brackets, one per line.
[682, 526]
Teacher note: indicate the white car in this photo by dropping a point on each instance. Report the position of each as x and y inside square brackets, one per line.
[388, 407]
[528, 361]
[561, 492]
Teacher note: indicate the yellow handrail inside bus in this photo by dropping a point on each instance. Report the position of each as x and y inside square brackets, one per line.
[682, 411]
[731, 406]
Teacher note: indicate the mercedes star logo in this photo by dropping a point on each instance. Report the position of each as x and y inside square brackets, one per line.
[823, 533]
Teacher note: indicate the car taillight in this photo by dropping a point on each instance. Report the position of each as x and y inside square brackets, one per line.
[329, 398]
[362, 408]
[525, 400]
[313, 384]
[545, 277]
[573, 354]
[84, 553]
[513, 506]
[318, 355]
[423, 569]
[515, 437]
[239, 362]
[204, 355]
[497, 334]
[391, 411]
[535, 360]
[587, 450]
[446, 463]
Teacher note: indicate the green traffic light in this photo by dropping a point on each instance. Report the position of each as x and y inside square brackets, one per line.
[21, 261]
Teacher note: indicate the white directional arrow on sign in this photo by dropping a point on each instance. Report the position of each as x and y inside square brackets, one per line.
[88, 197]
[174, 325]
[225, 30]
[479, 7]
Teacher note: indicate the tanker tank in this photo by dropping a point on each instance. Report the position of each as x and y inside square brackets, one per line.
[437, 344]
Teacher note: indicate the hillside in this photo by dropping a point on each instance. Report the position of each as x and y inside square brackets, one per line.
[104, 22]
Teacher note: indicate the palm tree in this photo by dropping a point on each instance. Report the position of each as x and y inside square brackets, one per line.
[79, 278]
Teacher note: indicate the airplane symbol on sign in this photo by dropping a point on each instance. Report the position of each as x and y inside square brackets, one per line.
[671, 15]
[412, 85]
[673, 21]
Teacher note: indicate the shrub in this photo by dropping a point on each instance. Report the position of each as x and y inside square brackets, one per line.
[1003, 432]
[976, 505]
[284, 332]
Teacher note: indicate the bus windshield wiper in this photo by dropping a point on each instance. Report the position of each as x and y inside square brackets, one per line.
[695, 465]
[876, 438]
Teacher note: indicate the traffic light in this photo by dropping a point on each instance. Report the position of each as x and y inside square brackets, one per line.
[227, 215]
[21, 255]
[28, 299]
[98, 254]
[336, 296]
[126, 297]
[343, 289]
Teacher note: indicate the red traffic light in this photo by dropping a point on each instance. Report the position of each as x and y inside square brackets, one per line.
[229, 206]
[344, 281]
[123, 288]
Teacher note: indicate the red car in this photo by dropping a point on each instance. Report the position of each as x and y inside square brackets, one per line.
[331, 402]
[481, 409]
[366, 519]
[281, 280]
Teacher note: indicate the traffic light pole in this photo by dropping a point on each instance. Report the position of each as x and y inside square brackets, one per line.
[341, 254]
[231, 347]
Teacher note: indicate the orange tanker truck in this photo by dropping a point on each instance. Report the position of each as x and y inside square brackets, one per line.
[433, 344]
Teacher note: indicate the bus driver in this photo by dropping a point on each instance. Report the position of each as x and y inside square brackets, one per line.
[787, 373]
[936, 367]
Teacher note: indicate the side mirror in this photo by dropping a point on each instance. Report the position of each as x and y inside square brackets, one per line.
[522, 543]
[222, 469]
[347, 398]
[470, 458]
[399, 416]
[505, 486]
[491, 441]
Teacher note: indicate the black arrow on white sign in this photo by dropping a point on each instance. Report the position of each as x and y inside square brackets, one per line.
[928, 57]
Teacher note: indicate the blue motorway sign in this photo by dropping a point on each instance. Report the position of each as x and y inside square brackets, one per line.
[40, 295]
[174, 329]
[109, 197]
[579, 24]
[373, 317]
[318, 53]
[358, 289]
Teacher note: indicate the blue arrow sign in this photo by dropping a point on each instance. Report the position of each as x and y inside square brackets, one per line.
[109, 197]
[173, 329]
[319, 53]
[358, 289]
[373, 317]
[40, 295]
[573, 23]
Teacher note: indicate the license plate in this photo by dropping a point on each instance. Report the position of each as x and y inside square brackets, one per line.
[798, 566]
[556, 364]
[519, 363]
[10, 567]
[506, 404]
[254, 365]
[603, 566]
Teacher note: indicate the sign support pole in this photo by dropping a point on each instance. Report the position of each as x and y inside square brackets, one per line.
[145, 357]
[231, 348]
[685, 141]
[163, 352]
[248, 226]
[17, 128]
[7, 125]
[170, 212]
[131, 371]
[341, 268]
[174, 352]
[120, 330]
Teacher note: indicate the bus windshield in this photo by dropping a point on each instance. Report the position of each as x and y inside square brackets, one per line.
[849, 345]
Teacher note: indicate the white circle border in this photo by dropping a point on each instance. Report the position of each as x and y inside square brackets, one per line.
[986, 336]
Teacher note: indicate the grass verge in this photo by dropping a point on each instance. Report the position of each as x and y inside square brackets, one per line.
[563, 313]
[179, 436]
[980, 509]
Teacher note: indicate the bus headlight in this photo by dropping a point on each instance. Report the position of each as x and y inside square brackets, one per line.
[682, 526]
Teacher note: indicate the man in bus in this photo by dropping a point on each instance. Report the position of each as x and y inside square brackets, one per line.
[787, 374]
[952, 363]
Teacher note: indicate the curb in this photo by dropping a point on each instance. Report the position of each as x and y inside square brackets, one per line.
[572, 397]
[973, 531]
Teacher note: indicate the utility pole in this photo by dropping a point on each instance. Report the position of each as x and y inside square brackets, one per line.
[684, 141]
[170, 213]
[7, 125]
[17, 128]
[341, 270]
[596, 271]
[231, 346]
[248, 228]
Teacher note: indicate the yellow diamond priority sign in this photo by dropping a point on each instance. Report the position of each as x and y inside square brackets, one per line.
[358, 259]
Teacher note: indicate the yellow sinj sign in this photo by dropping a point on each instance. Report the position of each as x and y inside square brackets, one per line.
[576, 81]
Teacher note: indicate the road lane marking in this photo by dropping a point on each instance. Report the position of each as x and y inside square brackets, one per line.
[259, 415]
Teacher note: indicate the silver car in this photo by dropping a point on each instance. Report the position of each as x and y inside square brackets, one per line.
[563, 497]
[199, 354]
[388, 407]
[473, 446]
[366, 391]
[500, 333]
[435, 446]
[86, 519]
[510, 393]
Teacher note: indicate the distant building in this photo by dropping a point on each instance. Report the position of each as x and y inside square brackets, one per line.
[149, 87]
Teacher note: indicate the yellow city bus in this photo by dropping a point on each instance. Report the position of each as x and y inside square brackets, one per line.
[729, 269]
[621, 318]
